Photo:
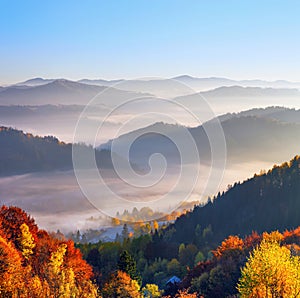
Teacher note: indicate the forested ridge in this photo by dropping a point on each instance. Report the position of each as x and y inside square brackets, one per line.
[266, 202]
[22, 152]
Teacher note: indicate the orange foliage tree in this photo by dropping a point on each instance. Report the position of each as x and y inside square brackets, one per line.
[120, 285]
[34, 264]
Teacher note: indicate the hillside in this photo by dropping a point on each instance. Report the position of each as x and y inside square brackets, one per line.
[266, 202]
[22, 153]
[208, 246]
[250, 135]
[279, 113]
[238, 91]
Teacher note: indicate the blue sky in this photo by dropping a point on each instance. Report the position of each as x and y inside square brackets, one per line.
[129, 39]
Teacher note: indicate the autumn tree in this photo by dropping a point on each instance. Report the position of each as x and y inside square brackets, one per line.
[12, 218]
[35, 264]
[120, 285]
[271, 271]
[155, 225]
[26, 241]
[231, 243]
[151, 291]
[11, 281]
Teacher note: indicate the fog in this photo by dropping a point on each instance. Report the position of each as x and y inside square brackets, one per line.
[60, 109]
[56, 201]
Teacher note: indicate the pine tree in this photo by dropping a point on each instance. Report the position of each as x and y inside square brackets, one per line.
[125, 232]
[127, 264]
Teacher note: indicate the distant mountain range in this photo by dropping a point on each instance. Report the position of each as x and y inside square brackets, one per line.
[215, 82]
[258, 134]
[199, 84]
[59, 92]
[39, 91]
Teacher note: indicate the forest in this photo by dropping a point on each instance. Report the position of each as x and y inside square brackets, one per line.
[243, 242]
[207, 247]
[22, 152]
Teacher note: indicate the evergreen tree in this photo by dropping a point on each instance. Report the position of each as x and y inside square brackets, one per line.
[125, 232]
[127, 264]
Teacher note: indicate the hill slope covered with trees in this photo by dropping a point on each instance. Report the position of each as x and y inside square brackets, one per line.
[266, 202]
[22, 152]
[193, 247]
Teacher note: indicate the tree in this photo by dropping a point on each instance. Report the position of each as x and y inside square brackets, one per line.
[115, 221]
[271, 271]
[26, 241]
[174, 268]
[11, 281]
[199, 258]
[127, 264]
[155, 225]
[151, 291]
[12, 219]
[187, 255]
[125, 232]
[36, 264]
[120, 285]
[231, 243]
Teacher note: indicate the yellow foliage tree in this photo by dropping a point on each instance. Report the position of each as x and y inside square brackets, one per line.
[271, 271]
[26, 241]
[151, 291]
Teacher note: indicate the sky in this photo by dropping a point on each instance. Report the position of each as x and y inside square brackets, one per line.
[138, 38]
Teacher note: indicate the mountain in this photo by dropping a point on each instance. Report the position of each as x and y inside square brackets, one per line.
[60, 92]
[237, 98]
[266, 202]
[238, 91]
[202, 84]
[100, 82]
[23, 153]
[35, 82]
[251, 135]
[166, 88]
[281, 114]
[186, 84]
[173, 87]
